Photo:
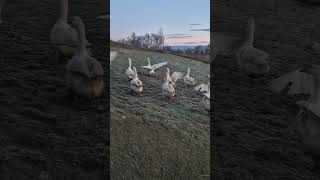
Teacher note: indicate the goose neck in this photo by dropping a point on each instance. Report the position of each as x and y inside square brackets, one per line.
[135, 72]
[82, 39]
[2, 2]
[250, 32]
[168, 75]
[63, 10]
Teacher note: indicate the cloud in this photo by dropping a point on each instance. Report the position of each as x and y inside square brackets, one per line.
[177, 37]
[176, 34]
[195, 24]
[208, 29]
[204, 42]
[191, 42]
[196, 42]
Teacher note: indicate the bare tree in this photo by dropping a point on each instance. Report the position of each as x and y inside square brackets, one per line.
[153, 41]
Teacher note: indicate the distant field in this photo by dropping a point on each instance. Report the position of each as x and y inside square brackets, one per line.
[151, 137]
[205, 59]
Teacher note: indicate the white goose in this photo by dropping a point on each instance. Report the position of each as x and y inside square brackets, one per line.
[313, 102]
[207, 94]
[174, 77]
[168, 88]
[251, 60]
[189, 80]
[310, 113]
[136, 84]
[154, 67]
[309, 127]
[113, 55]
[202, 87]
[292, 83]
[84, 73]
[129, 72]
[63, 37]
[148, 66]
[2, 2]
[206, 98]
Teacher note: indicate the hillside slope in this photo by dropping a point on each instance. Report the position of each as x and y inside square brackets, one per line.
[151, 136]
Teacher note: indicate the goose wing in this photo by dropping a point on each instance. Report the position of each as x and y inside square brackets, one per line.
[306, 105]
[94, 67]
[201, 88]
[77, 66]
[146, 67]
[296, 82]
[168, 87]
[159, 65]
[175, 76]
[207, 94]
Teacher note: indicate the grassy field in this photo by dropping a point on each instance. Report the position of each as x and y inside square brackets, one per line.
[201, 58]
[250, 138]
[152, 137]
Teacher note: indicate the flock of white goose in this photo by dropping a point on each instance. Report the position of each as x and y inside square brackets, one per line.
[169, 84]
[305, 80]
[253, 61]
[84, 74]
[250, 60]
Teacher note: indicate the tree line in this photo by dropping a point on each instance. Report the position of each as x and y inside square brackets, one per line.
[155, 41]
[200, 50]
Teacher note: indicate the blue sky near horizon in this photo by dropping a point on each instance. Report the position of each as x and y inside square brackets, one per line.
[184, 22]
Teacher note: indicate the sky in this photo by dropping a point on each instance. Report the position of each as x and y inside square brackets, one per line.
[184, 22]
